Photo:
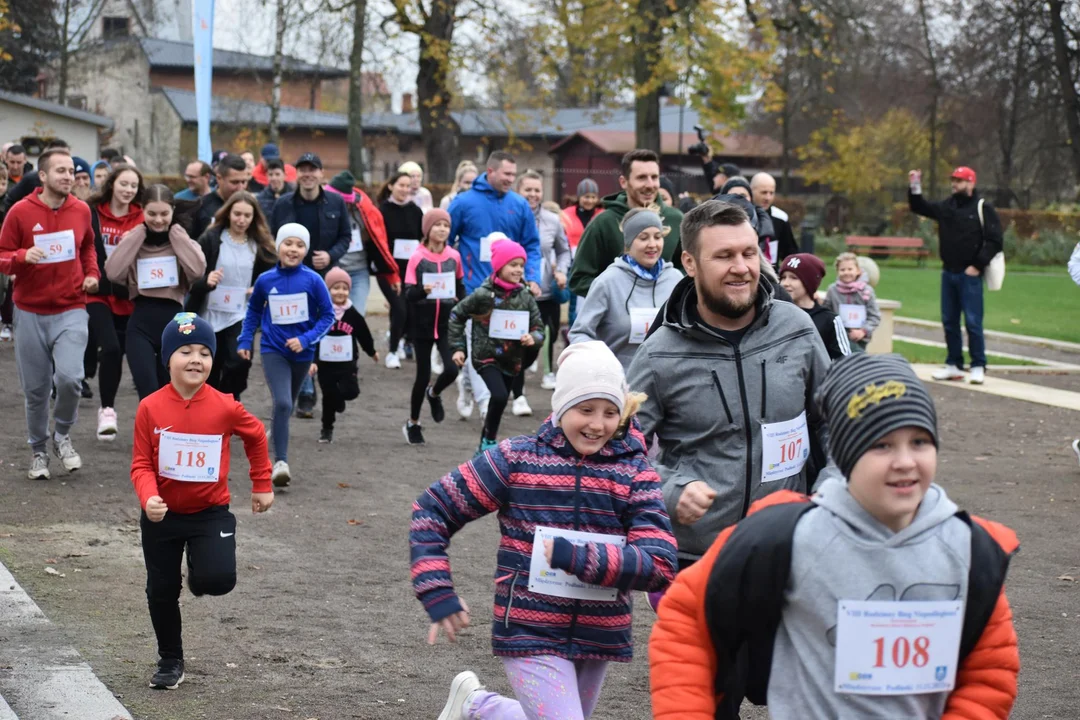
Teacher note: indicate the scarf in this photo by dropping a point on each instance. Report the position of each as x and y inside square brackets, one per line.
[339, 310]
[855, 288]
[507, 286]
[350, 198]
[644, 273]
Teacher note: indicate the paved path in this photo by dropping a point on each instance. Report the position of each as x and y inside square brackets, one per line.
[1010, 389]
[41, 675]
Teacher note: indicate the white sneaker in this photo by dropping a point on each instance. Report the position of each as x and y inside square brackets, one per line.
[483, 408]
[464, 398]
[521, 407]
[548, 382]
[64, 450]
[393, 361]
[1076, 448]
[280, 474]
[106, 424]
[6, 334]
[535, 367]
[436, 362]
[461, 690]
[949, 372]
[977, 376]
[39, 467]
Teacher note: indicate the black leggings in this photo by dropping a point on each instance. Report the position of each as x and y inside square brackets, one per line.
[398, 311]
[230, 371]
[332, 401]
[551, 314]
[107, 335]
[144, 343]
[422, 353]
[517, 388]
[500, 385]
[210, 538]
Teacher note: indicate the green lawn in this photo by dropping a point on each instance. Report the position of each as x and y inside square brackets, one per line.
[925, 354]
[1043, 304]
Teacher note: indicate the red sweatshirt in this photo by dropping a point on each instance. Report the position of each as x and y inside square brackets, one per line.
[209, 412]
[112, 229]
[48, 288]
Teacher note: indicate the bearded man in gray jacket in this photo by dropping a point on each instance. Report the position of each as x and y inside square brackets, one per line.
[730, 378]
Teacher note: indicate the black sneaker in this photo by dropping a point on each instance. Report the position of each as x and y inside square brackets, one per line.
[305, 407]
[169, 675]
[438, 414]
[413, 434]
[408, 351]
[327, 435]
[87, 393]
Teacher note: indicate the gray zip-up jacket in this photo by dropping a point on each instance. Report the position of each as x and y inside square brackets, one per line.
[834, 298]
[554, 250]
[707, 401]
[605, 314]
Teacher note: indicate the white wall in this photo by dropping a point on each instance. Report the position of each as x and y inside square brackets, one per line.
[17, 122]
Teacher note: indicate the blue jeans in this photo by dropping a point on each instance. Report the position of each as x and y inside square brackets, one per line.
[283, 377]
[961, 292]
[361, 284]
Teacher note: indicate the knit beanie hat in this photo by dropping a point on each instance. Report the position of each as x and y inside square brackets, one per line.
[865, 397]
[808, 268]
[336, 275]
[186, 328]
[410, 167]
[588, 371]
[665, 182]
[431, 217]
[588, 186]
[640, 221]
[289, 230]
[81, 165]
[503, 251]
[344, 182]
[734, 182]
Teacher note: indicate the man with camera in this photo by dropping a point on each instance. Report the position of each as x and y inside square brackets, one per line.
[716, 173]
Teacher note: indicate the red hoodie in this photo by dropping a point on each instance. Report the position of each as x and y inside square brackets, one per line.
[112, 229]
[209, 412]
[48, 288]
[258, 174]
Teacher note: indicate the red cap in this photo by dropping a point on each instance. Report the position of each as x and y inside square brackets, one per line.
[963, 173]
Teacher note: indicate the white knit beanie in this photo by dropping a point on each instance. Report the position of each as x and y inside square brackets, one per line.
[588, 371]
[295, 230]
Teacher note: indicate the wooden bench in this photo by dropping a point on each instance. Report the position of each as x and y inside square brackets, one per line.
[888, 246]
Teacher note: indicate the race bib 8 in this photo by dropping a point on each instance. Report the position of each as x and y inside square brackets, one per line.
[159, 272]
[227, 299]
[189, 458]
[508, 324]
[58, 246]
[288, 309]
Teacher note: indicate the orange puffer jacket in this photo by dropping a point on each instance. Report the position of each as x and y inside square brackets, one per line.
[684, 664]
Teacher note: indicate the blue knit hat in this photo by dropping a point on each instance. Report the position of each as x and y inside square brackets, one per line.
[186, 328]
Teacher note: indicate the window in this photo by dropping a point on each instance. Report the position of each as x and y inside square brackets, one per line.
[114, 27]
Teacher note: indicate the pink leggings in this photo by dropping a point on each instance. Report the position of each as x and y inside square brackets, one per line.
[546, 687]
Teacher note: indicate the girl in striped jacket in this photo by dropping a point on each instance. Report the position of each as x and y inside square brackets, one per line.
[583, 491]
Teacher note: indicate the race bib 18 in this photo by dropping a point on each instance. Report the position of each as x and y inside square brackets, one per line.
[288, 309]
[853, 316]
[159, 272]
[785, 446]
[227, 299]
[508, 324]
[641, 320]
[404, 249]
[58, 246]
[897, 648]
[189, 458]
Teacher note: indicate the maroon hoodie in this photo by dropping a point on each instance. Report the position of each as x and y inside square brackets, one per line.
[48, 288]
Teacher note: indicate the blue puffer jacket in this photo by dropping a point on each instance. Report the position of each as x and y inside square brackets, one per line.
[542, 480]
[476, 213]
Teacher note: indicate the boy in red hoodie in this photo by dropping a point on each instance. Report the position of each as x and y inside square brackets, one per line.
[48, 242]
[180, 469]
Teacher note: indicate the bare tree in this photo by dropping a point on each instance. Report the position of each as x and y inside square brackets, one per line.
[73, 20]
[356, 91]
[1064, 58]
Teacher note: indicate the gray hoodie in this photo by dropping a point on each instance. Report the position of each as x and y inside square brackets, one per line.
[554, 249]
[707, 401]
[842, 553]
[605, 314]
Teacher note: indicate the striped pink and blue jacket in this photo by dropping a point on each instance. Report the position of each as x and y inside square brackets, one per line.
[542, 480]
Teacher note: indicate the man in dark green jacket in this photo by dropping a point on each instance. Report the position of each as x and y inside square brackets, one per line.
[603, 240]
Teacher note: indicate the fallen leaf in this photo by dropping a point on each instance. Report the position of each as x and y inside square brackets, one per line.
[1066, 578]
[356, 522]
[54, 571]
[51, 561]
[344, 486]
[254, 567]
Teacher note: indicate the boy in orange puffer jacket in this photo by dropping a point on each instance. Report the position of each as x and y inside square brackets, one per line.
[874, 598]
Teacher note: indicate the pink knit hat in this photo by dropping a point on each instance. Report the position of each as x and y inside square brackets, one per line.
[431, 217]
[503, 251]
[336, 275]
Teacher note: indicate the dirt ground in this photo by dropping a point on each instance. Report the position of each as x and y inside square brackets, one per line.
[323, 623]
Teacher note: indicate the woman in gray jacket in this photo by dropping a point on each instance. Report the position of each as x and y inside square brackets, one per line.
[624, 299]
[555, 265]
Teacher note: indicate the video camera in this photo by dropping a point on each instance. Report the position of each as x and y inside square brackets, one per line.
[699, 148]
